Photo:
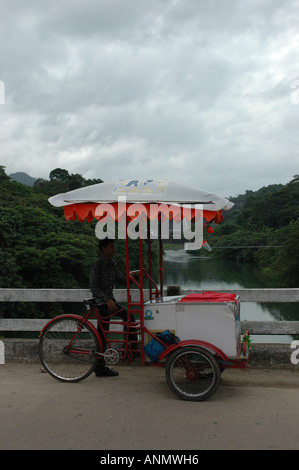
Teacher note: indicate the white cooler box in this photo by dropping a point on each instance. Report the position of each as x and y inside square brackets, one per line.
[212, 317]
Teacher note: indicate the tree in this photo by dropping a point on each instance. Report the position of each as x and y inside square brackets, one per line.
[275, 207]
[282, 262]
[61, 181]
[3, 175]
[75, 181]
[59, 174]
[50, 188]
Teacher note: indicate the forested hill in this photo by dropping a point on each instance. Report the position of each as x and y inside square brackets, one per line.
[263, 228]
[39, 248]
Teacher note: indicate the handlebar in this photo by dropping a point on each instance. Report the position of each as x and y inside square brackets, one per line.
[144, 272]
[137, 271]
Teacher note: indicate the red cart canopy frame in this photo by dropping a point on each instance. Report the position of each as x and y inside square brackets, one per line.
[117, 211]
[129, 211]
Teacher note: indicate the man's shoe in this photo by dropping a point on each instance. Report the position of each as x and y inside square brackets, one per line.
[106, 372]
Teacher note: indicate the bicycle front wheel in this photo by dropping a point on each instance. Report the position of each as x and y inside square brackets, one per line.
[67, 351]
[192, 373]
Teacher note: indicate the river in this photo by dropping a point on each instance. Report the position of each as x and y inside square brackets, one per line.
[203, 272]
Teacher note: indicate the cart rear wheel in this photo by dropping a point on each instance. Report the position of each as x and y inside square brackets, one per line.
[192, 373]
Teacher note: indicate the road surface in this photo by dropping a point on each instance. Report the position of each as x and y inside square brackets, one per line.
[252, 409]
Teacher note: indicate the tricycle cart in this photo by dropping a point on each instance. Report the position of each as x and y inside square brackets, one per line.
[194, 337]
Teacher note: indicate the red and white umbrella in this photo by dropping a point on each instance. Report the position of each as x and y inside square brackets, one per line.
[154, 195]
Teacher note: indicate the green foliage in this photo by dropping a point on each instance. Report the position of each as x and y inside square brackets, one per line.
[240, 245]
[39, 248]
[282, 263]
[3, 175]
[275, 207]
[263, 229]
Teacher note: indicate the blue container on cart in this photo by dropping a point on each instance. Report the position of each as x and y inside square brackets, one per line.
[153, 348]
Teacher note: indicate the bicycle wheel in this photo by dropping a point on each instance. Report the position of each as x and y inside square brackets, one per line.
[68, 353]
[192, 373]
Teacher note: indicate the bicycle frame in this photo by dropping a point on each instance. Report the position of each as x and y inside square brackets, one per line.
[123, 344]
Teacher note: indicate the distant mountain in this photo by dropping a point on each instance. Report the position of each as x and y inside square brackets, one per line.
[23, 178]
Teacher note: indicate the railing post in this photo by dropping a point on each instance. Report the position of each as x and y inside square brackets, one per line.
[2, 353]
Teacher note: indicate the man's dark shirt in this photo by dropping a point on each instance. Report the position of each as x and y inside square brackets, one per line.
[104, 274]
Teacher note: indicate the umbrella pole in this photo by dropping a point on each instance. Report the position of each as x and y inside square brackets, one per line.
[149, 248]
[160, 254]
[127, 266]
[141, 299]
[136, 307]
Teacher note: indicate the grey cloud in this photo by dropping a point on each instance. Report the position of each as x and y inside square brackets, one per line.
[181, 89]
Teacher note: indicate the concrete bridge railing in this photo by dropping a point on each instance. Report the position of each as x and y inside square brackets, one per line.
[78, 295]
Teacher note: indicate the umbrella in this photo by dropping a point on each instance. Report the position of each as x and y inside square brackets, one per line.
[82, 203]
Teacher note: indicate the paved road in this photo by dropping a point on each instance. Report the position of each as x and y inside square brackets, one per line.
[252, 409]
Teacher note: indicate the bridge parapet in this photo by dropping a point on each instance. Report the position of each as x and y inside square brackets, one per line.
[26, 350]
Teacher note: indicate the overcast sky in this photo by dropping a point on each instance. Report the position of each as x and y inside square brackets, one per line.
[196, 91]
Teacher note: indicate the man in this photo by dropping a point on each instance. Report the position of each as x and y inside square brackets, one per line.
[104, 273]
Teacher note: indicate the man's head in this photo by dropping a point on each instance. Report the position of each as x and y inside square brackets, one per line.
[107, 247]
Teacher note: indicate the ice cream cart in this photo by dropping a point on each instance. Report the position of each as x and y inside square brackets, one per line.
[195, 336]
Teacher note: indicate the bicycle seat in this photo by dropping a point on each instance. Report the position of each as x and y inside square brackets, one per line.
[90, 301]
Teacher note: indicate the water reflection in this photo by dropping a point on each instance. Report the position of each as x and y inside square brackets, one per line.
[201, 272]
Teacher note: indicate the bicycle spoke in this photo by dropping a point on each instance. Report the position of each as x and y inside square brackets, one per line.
[67, 352]
[192, 373]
